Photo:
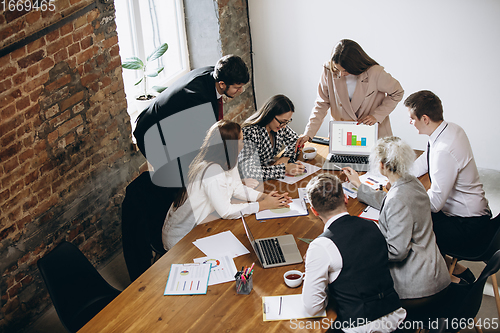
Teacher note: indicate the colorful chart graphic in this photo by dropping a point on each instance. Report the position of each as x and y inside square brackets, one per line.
[184, 273]
[354, 140]
[214, 262]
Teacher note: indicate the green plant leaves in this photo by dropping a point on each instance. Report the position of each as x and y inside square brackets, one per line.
[158, 52]
[154, 73]
[159, 89]
[138, 81]
[133, 63]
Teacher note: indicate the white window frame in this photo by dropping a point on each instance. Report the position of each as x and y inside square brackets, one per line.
[135, 34]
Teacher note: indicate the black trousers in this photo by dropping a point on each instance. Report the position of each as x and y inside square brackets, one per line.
[143, 214]
[462, 235]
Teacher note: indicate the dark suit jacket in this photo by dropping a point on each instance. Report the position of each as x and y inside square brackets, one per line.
[195, 88]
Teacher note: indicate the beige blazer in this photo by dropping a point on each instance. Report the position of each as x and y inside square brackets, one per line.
[377, 93]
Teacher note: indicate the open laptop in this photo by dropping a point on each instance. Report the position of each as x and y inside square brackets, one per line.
[350, 145]
[274, 251]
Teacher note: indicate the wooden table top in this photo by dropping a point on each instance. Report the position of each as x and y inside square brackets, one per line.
[142, 307]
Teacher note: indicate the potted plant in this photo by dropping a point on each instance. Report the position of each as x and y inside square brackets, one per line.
[136, 63]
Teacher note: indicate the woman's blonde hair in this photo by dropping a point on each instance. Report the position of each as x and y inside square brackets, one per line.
[395, 154]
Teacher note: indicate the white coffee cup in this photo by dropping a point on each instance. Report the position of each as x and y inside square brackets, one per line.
[309, 153]
[293, 278]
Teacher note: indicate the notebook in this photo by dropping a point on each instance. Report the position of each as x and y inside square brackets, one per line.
[274, 251]
[350, 145]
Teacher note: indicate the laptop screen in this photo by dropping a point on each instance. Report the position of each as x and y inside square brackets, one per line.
[251, 239]
[349, 138]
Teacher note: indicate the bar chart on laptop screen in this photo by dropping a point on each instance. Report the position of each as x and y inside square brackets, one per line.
[353, 137]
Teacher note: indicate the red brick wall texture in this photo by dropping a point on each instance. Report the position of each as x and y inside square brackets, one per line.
[65, 146]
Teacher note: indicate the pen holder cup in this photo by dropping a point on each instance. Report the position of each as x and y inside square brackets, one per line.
[244, 287]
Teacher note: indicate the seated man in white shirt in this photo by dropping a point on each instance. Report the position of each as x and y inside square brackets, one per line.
[460, 212]
[348, 263]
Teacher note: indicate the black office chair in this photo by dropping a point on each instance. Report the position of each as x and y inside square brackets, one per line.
[483, 254]
[76, 288]
[463, 301]
[143, 213]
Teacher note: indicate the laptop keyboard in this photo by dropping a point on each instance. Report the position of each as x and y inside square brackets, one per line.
[272, 251]
[349, 159]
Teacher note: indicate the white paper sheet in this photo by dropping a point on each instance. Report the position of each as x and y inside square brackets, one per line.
[297, 208]
[291, 306]
[350, 190]
[302, 194]
[374, 181]
[310, 169]
[370, 213]
[223, 269]
[187, 279]
[221, 244]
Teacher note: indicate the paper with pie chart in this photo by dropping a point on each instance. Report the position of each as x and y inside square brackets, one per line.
[223, 269]
[188, 279]
[310, 169]
[297, 208]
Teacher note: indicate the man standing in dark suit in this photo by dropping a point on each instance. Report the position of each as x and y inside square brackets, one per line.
[172, 129]
[200, 86]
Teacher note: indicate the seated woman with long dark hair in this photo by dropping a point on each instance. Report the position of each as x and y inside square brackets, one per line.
[266, 133]
[213, 181]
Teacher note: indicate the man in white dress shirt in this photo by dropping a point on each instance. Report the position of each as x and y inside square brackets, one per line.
[348, 263]
[460, 211]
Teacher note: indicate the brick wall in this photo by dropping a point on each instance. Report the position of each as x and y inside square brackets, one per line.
[65, 143]
[234, 30]
[65, 155]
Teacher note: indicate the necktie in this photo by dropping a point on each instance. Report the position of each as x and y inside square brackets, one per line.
[221, 109]
[428, 164]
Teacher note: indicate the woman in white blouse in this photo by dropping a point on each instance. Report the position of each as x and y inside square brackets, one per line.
[213, 181]
[355, 88]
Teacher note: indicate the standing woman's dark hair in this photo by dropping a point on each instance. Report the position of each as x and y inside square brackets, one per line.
[213, 151]
[274, 106]
[349, 54]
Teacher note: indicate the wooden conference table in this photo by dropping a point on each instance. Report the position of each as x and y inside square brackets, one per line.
[143, 308]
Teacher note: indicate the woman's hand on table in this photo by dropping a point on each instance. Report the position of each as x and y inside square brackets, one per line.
[274, 200]
[296, 168]
[352, 175]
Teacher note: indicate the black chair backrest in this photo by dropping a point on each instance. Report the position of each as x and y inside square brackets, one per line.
[495, 241]
[472, 302]
[76, 288]
[148, 204]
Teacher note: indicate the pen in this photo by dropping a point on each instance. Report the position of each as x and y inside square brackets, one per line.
[281, 301]
[251, 268]
[335, 165]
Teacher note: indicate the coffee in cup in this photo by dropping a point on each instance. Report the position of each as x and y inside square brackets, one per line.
[293, 278]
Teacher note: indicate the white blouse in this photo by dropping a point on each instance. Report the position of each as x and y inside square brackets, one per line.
[211, 195]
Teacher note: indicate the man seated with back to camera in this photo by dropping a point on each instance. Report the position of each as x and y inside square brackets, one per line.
[349, 263]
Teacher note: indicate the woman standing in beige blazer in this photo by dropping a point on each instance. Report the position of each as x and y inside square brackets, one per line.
[355, 88]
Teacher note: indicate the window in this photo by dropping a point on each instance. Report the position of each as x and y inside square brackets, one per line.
[143, 25]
